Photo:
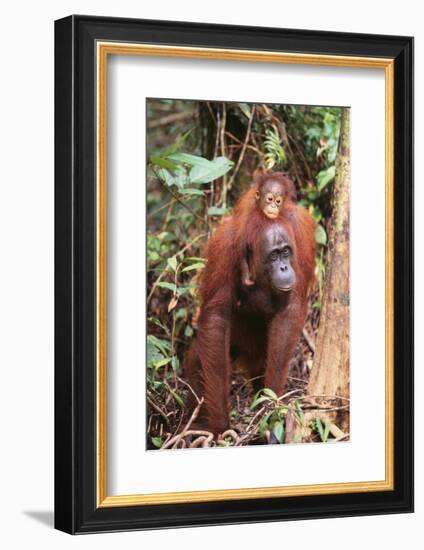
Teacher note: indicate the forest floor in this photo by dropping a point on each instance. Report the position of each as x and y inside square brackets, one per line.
[171, 425]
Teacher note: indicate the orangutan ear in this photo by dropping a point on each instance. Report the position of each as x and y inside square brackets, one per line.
[257, 195]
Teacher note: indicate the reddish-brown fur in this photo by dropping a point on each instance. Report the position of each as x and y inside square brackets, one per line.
[249, 214]
[259, 327]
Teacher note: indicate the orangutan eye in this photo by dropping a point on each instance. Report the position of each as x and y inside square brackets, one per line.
[269, 198]
[274, 256]
[286, 251]
[278, 201]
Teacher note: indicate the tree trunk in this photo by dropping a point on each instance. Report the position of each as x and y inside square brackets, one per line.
[330, 371]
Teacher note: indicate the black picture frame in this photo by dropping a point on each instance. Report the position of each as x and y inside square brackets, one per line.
[76, 509]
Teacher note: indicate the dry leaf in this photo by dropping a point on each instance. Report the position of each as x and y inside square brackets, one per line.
[172, 303]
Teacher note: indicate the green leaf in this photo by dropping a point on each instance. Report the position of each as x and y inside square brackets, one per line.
[278, 431]
[299, 413]
[245, 109]
[206, 173]
[281, 410]
[194, 259]
[176, 146]
[168, 286]
[312, 195]
[263, 424]
[173, 148]
[191, 191]
[313, 133]
[216, 211]
[161, 363]
[188, 332]
[258, 400]
[325, 177]
[153, 256]
[326, 430]
[163, 345]
[320, 235]
[191, 160]
[180, 178]
[177, 398]
[166, 177]
[193, 266]
[317, 214]
[164, 235]
[175, 363]
[157, 442]
[153, 356]
[156, 386]
[172, 263]
[162, 163]
[270, 393]
[181, 313]
[320, 428]
[183, 290]
[297, 437]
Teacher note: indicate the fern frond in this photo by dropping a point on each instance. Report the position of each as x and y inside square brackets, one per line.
[274, 151]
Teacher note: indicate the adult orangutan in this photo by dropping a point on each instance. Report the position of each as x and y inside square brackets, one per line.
[259, 323]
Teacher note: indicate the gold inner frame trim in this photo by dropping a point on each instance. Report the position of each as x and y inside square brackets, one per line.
[103, 49]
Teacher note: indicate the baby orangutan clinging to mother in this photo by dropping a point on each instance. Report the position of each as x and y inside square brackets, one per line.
[272, 194]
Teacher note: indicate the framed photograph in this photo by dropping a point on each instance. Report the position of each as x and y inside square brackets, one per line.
[234, 274]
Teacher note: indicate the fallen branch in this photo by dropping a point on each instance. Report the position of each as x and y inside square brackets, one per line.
[228, 433]
[205, 439]
[336, 432]
[182, 434]
[190, 388]
[157, 409]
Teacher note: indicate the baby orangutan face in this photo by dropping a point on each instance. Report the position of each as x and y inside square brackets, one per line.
[270, 198]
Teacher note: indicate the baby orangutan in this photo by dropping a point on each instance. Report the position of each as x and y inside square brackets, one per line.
[273, 192]
[270, 198]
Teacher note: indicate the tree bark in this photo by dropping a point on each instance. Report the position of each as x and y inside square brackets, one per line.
[330, 371]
